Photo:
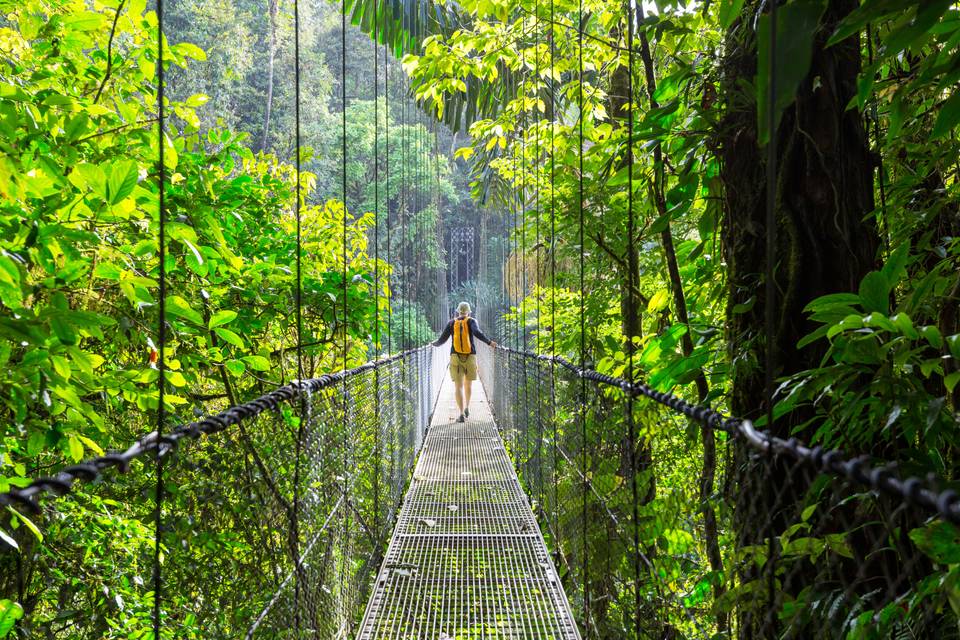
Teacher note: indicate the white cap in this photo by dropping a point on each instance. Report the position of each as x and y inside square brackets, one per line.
[463, 308]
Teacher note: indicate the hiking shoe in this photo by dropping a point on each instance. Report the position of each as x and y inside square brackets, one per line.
[461, 418]
[466, 413]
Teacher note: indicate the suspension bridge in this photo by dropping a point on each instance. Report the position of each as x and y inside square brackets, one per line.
[353, 505]
[476, 550]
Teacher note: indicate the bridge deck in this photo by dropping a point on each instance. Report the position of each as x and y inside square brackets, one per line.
[467, 561]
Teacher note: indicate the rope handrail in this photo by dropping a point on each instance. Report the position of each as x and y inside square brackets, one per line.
[879, 477]
[89, 470]
[860, 469]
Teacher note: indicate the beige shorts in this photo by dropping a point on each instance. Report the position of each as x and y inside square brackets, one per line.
[463, 367]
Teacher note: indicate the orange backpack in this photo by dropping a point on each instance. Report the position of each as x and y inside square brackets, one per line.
[461, 336]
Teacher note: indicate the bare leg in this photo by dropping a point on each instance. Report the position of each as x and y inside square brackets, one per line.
[467, 389]
[459, 394]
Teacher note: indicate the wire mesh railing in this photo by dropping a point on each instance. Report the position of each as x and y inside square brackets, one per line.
[812, 543]
[250, 549]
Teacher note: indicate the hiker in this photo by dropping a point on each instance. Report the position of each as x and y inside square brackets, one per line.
[463, 354]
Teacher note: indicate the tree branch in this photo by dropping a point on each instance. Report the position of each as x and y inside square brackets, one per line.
[113, 32]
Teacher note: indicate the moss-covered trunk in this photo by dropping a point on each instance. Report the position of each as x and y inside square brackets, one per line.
[826, 242]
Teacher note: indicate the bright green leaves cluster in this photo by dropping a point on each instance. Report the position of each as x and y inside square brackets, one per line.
[882, 363]
[79, 273]
[10, 612]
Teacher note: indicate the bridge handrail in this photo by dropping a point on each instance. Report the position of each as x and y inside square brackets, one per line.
[62, 482]
[878, 475]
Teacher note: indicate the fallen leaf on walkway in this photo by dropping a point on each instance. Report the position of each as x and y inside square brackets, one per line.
[430, 522]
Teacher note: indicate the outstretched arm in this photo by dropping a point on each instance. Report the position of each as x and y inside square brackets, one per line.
[443, 336]
[475, 329]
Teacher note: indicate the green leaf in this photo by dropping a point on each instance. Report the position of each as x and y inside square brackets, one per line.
[90, 444]
[10, 612]
[948, 117]
[28, 523]
[875, 292]
[797, 25]
[230, 337]
[89, 176]
[812, 337]
[107, 271]
[953, 342]
[257, 363]
[939, 540]
[196, 253]
[9, 273]
[746, 306]
[224, 316]
[932, 335]
[235, 367]
[658, 302]
[179, 307]
[832, 300]
[197, 100]
[950, 382]
[729, 11]
[857, 19]
[896, 265]
[122, 180]
[63, 330]
[189, 50]
[905, 325]
[85, 20]
[76, 448]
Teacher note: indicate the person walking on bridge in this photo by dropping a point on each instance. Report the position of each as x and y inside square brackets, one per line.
[463, 354]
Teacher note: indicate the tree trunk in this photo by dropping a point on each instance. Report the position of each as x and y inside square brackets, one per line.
[826, 243]
[273, 7]
[709, 467]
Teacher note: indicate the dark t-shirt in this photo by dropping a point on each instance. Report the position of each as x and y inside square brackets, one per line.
[474, 333]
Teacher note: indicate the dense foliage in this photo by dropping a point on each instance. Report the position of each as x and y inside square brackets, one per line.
[79, 276]
[617, 154]
[866, 280]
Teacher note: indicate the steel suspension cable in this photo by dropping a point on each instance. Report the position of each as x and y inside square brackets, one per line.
[298, 204]
[583, 337]
[537, 278]
[345, 323]
[386, 134]
[161, 329]
[522, 318]
[769, 285]
[634, 286]
[376, 264]
[553, 269]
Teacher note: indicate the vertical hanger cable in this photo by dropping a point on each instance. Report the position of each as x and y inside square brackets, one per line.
[633, 286]
[376, 267]
[161, 328]
[769, 284]
[298, 299]
[553, 272]
[583, 338]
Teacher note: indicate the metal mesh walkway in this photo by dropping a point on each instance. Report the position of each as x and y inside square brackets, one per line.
[467, 561]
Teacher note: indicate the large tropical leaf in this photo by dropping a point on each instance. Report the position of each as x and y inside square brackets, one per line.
[403, 25]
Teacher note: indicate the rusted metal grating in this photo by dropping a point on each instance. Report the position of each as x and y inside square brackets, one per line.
[467, 561]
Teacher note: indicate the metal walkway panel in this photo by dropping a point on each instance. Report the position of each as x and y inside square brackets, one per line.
[464, 459]
[467, 560]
